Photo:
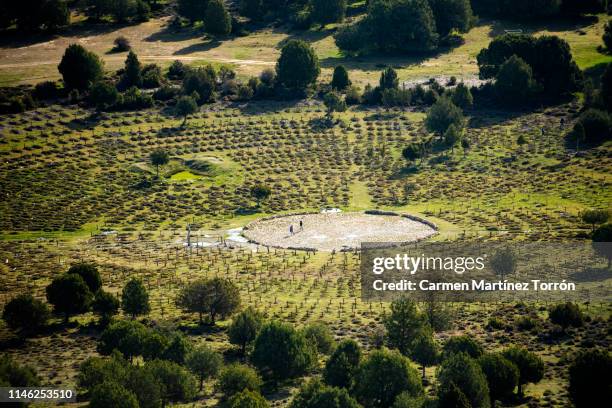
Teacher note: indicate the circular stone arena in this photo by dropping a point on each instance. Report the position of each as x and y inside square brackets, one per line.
[335, 231]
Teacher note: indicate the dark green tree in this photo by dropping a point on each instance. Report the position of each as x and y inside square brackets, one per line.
[236, 378]
[425, 350]
[451, 396]
[186, 106]
[602, 237]
[502, 375]
[607, 36]
[132, 75]
[382, 376]
[244, 328]
[135, 298]
[530, 366]
[403, 324]
[105, 305]
[201, 80]
[193, 10]
[176, 383]
[253, 9]
[79, 67]
[327, 11]
[248, 399]
[597, 125]
[89, 273]
[127, 337]
[334, 103]
[282, 352]
[514, 84]
[320, 335]
[463, 344]
[103, 95]
[25, 313]
[388, 79]
[462, 97]
[216, 296]
[298, 66]
[503, 262]
[442, 114]
[159, 157]
[452, 15]
[464, 372]
[342, 365]
[595, 217]
[69, 295]
[204, 363]
[589, 378]
[112, 394]
[314, 394]
[260, 192]
[217, 20]
[340, 78]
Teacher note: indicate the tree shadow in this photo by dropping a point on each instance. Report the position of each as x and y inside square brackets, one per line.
[592, 275]
[561, 24]
[15, 39]
[170, 34]
[263, 107]
[199, 47]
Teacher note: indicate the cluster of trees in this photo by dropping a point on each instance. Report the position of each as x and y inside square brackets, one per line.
[525, 67]
[466, 374]
[31, 15]
[301, 13]
[77, 291]
[212, 13]
[594, 126]
[405, 26]
[532, 9]
[119, 11]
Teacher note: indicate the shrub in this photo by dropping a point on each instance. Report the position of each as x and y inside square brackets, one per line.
[282, 351]
[176, 70]
[382, 376]
[342, 365]
[353, 96]
[589, 378]
[46, 90]
[151, 76]
[186, 106]
[122, 44]
[566, 315]
[236, 378]
[25, 313]
[462, 97]
[452, 14]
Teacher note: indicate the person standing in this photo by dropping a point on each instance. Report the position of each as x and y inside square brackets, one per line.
[291, 229]
[301, 225]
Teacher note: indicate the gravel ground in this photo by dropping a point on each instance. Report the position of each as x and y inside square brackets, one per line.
[335, 231]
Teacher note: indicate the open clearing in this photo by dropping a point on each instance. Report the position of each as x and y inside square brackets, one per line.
[335, 231]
